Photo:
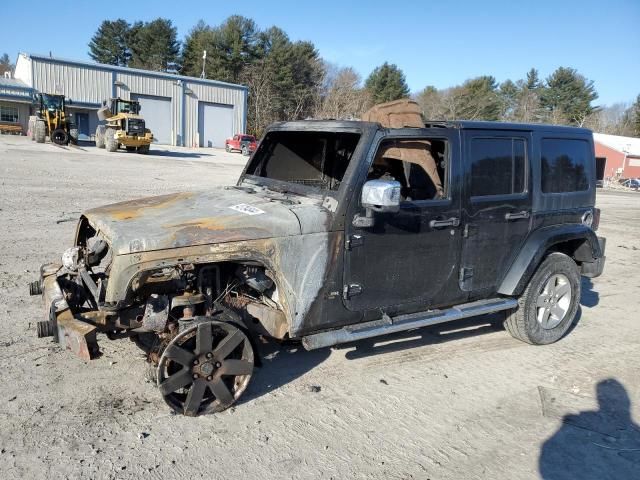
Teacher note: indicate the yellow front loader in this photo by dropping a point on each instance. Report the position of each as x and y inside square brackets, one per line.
[52, 119]
[124, 126]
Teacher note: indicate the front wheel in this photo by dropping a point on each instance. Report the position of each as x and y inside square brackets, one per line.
[549, 304]
[143, 149]
[41, 131]
[205, 368]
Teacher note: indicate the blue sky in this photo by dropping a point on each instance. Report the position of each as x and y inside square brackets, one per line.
[434, 42]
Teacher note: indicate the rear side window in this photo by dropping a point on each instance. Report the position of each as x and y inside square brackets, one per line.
[498, 166]
[564, 165]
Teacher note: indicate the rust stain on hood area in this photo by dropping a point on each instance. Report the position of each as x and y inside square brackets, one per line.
[197, 218]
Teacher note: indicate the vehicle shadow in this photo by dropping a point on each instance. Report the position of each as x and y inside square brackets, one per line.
[589, 298]
[174, 154]
[281, 363]
[592, 444]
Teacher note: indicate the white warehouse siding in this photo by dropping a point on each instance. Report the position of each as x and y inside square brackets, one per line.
[88, 84]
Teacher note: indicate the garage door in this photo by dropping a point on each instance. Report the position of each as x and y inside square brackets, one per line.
[157, 116]
[215, 124]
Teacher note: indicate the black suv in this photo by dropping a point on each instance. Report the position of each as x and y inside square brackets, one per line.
[336, 231]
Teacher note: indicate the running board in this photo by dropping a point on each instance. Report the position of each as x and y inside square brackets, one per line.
[401, 323]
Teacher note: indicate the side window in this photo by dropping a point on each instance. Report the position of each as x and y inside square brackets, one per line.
[564, 165]
[498, 166]
[420, 165]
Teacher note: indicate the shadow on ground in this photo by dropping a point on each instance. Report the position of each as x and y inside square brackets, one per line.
[284, 362]
[591, 444]
[589, 298]
[174, 154]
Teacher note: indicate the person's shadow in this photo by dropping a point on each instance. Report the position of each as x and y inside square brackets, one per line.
[600, 444]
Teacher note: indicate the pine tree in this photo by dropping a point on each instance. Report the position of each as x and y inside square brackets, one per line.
[156, 46]
[479, 99]
[635, 116]
[386, 83]
[568, 96]
[111, 44]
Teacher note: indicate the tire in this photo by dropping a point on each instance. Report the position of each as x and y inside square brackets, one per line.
[100, 136]
[144, 149]
[245, 150]
[32, 127]
[40, 131]
[110, 142]
[227, 148]
[59, 137]
[73, 135]
[546, 310]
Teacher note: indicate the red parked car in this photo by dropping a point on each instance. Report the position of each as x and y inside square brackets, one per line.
[246, 144]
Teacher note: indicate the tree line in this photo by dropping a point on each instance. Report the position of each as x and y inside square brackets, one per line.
[288, 80]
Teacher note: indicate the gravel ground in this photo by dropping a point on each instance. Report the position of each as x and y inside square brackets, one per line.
[457, 401]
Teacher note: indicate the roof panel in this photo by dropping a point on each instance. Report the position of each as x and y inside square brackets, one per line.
[149, 73]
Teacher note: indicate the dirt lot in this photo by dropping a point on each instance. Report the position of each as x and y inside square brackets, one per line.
[457, 401]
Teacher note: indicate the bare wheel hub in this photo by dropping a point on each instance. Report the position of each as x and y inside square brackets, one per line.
[205, 368]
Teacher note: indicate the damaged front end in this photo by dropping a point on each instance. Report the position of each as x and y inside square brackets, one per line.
[160, 302]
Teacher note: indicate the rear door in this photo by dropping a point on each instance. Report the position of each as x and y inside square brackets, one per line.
[496, 216]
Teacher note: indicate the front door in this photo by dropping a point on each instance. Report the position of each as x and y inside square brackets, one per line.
[496, 208]
[410, 257]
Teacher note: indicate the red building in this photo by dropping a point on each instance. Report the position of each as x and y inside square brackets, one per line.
[617, 157]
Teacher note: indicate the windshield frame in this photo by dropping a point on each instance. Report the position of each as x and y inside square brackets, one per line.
[247, 179]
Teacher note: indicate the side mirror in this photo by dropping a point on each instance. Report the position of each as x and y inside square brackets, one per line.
[378, 196]
[381, 195]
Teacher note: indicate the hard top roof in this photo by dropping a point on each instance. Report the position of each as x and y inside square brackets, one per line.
[458, 124]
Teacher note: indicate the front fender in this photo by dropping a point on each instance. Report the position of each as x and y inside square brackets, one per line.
[536, 247]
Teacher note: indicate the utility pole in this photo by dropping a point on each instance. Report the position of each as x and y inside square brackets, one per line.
[204, 62]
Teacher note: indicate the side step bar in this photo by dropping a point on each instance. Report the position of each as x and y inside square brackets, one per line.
[387, 325]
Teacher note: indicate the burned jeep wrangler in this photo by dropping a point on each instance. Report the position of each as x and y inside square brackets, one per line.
[336, 231]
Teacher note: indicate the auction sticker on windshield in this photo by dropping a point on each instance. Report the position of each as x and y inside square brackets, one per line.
[247, 209]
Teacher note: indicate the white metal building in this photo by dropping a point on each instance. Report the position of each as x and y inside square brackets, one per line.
[179, 110]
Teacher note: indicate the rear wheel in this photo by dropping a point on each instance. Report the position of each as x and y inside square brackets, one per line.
[40, 131]
[73, 135]
[143, 149]
[110, 142]
[100, 131]
[59, 137]
[245, 150]
[205, 368]
[549, 304]
[227, 147]
[32, 127]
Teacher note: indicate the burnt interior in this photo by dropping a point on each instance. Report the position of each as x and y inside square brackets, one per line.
[318, 159]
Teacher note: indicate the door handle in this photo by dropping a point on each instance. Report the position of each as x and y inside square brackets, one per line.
[449, 222]
[516, 215]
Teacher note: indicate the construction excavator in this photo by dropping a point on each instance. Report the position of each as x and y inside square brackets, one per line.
[52, 120]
